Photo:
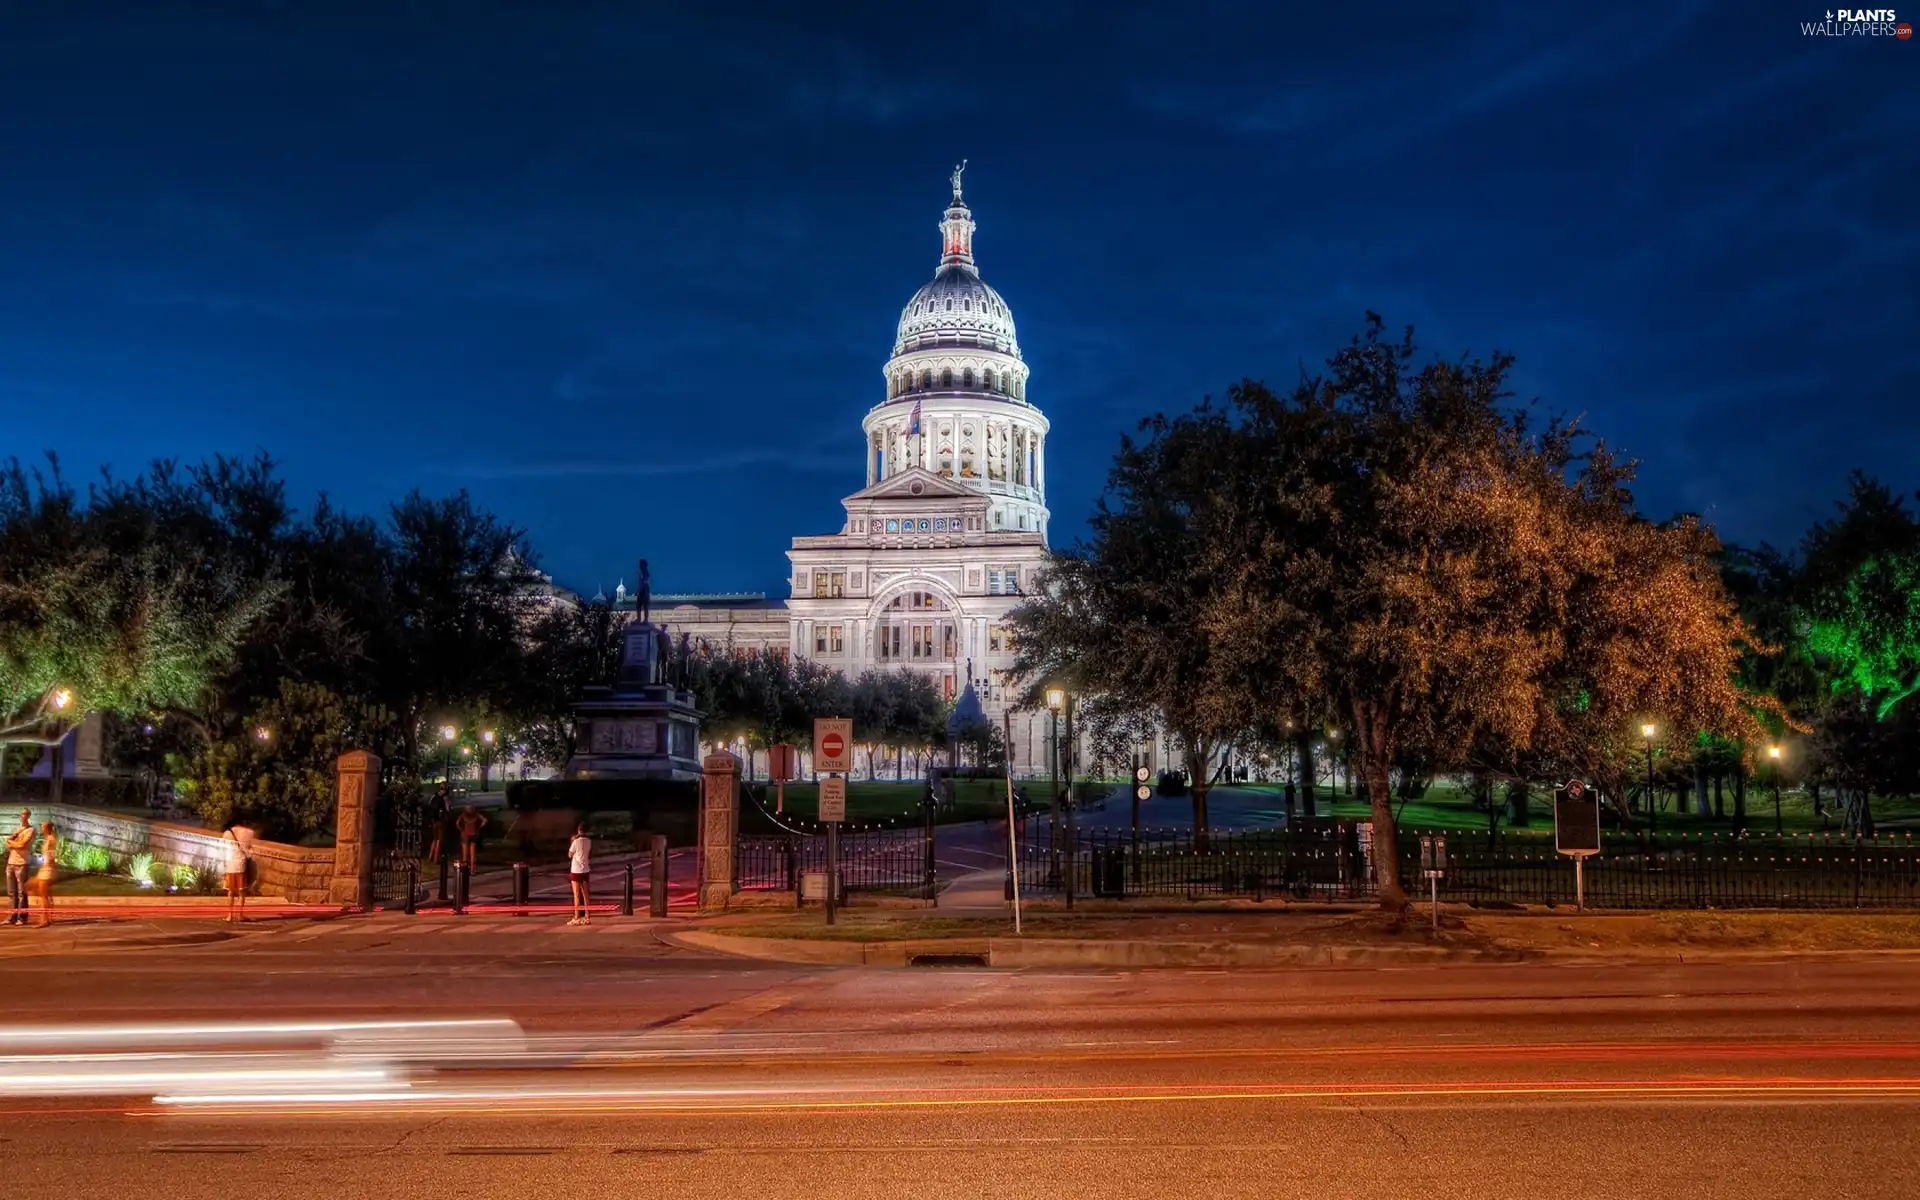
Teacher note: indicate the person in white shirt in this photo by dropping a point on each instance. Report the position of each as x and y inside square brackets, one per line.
[579, 854]
[19, 846]
[237, 839]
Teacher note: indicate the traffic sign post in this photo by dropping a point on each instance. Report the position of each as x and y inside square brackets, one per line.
[1433, 864]
[1576, 830]
[1142, 792]
[832, 758]
[832, 745]
[833, 799]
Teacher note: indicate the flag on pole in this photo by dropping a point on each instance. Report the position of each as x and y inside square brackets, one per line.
[913, 422]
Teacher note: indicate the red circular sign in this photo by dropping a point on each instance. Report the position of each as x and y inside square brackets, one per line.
[833, 745]
[1903, 31]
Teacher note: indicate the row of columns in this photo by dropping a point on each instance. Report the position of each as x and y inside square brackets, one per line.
[1019, 452]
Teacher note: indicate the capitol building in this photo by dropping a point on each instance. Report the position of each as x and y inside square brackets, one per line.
[949, 531]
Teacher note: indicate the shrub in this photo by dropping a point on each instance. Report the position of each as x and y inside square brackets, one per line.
[140, 869]
[185, 878]
[89, 860]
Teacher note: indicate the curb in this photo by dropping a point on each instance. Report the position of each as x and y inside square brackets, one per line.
[1071, 952]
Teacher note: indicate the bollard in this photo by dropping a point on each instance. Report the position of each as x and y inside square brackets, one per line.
[626, 893]
[443, 875]
[657, 880]
[413, 888]
[460, 888]
[522, 887]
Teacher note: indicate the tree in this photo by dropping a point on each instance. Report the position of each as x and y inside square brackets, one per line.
[1123, 616]
[108, 604]
[281, 778]
[1861, 589]
[570, 648]
[1396, 543]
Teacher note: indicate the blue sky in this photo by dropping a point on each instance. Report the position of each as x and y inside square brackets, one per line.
[628, 272]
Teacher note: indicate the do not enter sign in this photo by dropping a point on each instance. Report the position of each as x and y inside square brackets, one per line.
[833, 745]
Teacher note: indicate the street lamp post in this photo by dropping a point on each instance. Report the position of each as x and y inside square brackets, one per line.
[1056, 703]
[1056, 700]
[486, 757]
[447, 734]
[1653, 807]
[1773, 753]
[57, 775]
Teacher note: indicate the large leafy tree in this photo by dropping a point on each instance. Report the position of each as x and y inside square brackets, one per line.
[1124, 615]
[128, 599]
[569, 648]
[1861, 589]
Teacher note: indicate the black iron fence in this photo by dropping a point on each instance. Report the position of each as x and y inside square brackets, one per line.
[1329, 862]
[889, 861]
[1322, 863]
[1716, 870]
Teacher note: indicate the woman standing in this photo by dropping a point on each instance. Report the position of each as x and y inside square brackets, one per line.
[579, 865]
[237, 838]
[42, 885]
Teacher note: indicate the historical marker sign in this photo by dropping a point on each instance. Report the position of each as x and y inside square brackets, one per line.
[832, 745]
[833, 798]
[1576, 819]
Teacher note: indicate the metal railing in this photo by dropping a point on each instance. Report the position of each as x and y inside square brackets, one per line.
[893, 861]
[1633, 871]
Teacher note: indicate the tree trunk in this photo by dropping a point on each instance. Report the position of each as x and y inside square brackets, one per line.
[1518, 801]
[1740, 797]
[1303, 750]
[1198, 754]
[1376, 762]
[1719, 796]
[1702, 805]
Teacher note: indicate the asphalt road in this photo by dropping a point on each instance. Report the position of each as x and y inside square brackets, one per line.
[647, 1070]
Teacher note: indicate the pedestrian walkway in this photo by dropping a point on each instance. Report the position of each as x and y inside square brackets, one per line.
[981, 894]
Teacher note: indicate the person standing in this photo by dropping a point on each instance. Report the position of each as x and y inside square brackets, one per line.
[439, 812]
[237, 838]
[579, 866]
[469, 826]
[19, 842]
[42, 884]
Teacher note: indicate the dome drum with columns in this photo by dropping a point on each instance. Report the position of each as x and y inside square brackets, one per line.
[950, 531]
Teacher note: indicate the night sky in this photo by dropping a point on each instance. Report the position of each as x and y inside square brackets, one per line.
[629, 271]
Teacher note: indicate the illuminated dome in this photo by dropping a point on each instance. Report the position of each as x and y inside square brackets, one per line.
[956, 402]
[956, 310]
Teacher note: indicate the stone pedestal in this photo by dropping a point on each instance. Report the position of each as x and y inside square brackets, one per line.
[89, 746]
[719, 825]
[358, 776]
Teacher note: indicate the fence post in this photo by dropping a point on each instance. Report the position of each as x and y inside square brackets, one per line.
[522, 887]
[657, 878]
[626, 893]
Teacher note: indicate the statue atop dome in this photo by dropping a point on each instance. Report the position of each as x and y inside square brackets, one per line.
[957, 172]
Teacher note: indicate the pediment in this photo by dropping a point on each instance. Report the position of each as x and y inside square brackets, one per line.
[915, 483]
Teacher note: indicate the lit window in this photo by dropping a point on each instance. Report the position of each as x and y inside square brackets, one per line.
[836, 642]
[993, 583]
[820, 640]
[838, 587]
[820, 583]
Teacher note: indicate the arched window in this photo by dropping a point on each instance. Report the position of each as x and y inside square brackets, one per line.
[966, 306]
[949, 303]
[946, 378]
[926, 379]
[967, 380]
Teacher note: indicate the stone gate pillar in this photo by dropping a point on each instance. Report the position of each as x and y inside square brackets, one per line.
[358, 776]
[719, 824]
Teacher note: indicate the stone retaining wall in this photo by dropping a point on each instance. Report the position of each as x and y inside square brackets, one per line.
[300, 874]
